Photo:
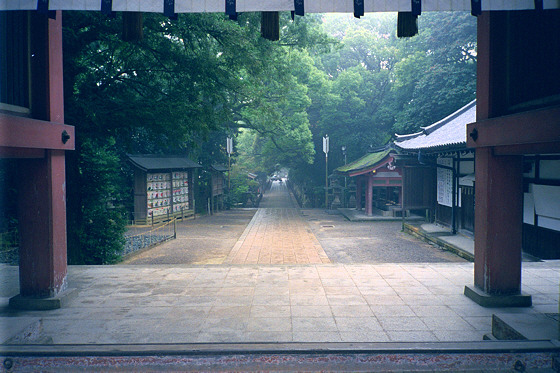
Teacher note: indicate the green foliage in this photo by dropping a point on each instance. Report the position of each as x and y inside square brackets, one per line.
[97, 225]
[244, 191]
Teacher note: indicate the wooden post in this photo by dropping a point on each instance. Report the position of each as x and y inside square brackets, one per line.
[42, 190]
[358, 193]
[499, 188]
[369, 195]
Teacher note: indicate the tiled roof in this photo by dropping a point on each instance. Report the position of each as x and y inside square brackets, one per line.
[448, 132]
[149, 162]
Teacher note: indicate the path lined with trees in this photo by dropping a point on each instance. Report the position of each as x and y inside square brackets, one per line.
[192, 82]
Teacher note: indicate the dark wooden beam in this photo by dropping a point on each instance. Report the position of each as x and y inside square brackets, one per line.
[133, 26]
[527, 128]
[407, 24]
[527, 149]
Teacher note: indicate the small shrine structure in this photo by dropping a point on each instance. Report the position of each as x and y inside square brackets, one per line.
[378, 180]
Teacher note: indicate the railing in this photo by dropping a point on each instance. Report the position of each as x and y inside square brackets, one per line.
[141, 237]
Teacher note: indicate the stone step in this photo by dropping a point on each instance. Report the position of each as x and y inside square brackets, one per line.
[525, 326]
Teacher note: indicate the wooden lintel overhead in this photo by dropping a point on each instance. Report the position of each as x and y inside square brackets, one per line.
[19, 132]
[527, 128]
[407, 24]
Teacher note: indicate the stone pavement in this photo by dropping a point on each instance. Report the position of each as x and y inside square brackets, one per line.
[277, 234]
[268, 303]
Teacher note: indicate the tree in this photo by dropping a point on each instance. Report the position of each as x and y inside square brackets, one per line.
[96, 222]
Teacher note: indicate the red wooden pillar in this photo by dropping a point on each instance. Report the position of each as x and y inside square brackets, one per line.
[498, 218]
[498, 231]
[42, 188]
[369, 195]
[498, 192]
[358, 193]
[42, 225]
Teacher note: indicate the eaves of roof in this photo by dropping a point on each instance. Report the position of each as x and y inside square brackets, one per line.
[152, 162]
[219, 168]
[450, 132]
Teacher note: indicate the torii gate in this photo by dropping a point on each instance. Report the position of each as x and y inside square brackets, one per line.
[499, 135]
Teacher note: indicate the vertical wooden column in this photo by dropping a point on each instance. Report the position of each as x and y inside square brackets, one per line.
[358, 193]
[498, 222]
[369, 195]
[42, 218]
[42, 190]
[498, 231]
[499, 189]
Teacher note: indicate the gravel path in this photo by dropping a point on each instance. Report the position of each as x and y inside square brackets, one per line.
[204, 240]
[371, 242]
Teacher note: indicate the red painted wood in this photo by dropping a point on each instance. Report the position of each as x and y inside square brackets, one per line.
[498, 222]
[20, 132]
[42, 225]
[369, 195]
[541, 148]
[42, 182]
[7, 152]
[483, 74]
[57, 218]
[56, 89]
[358, 193]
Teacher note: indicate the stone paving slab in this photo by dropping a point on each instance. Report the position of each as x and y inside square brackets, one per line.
[277, 234]
[272, 303]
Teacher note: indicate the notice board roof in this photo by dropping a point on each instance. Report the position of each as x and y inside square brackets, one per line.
[150, 162]
[219, 167]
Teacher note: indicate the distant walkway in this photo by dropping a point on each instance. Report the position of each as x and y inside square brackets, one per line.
[277, 234]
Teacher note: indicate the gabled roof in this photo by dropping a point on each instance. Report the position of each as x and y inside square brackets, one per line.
[367, 162]
[219, 168]
[450, 132]
[151, 162]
